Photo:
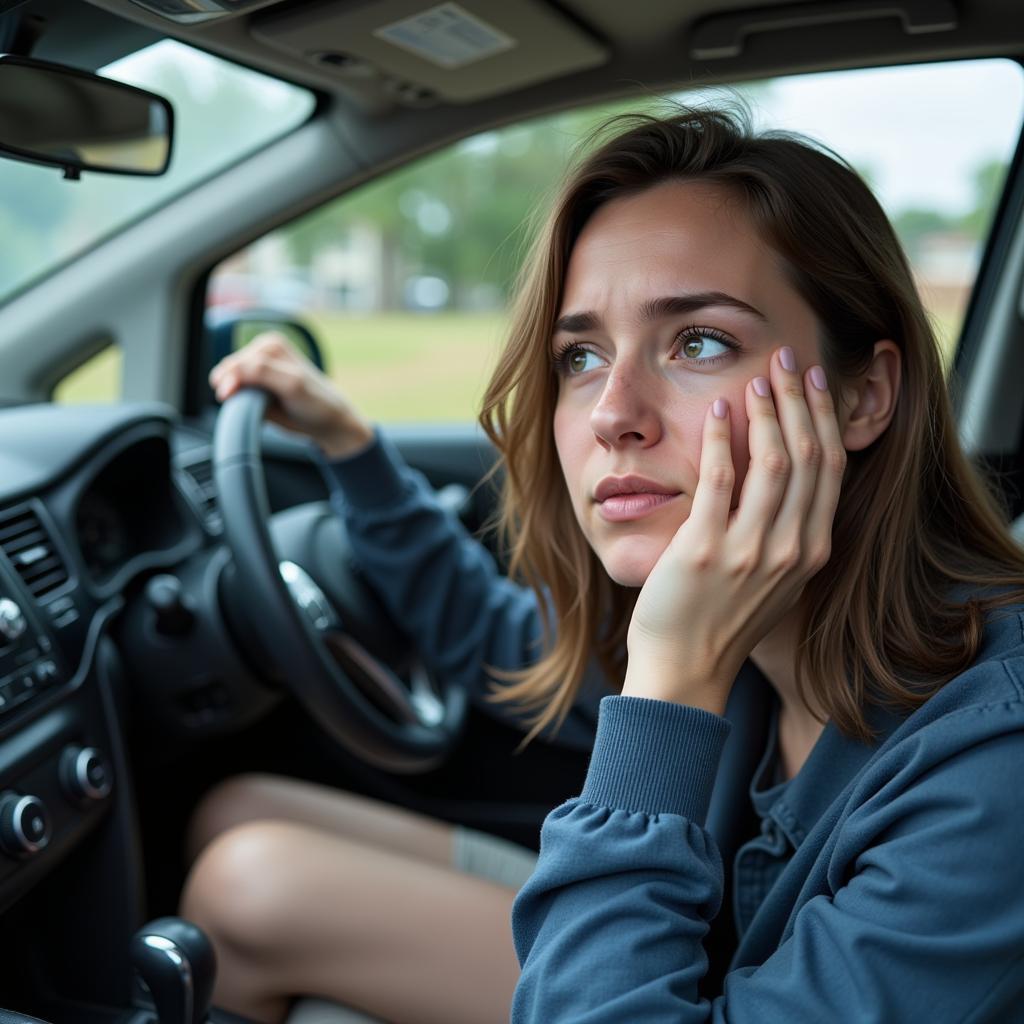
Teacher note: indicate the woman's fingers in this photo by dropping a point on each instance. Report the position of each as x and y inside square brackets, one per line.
[830, 471]
[303, 398]
[278, 376]
[768, 474]
[241, 366]
[789, 535]
[791, 489]
[709, 513]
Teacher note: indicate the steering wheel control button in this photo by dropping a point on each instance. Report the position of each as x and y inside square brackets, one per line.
[12, 620]
[84, 775]
[24, 825]
[309, 597]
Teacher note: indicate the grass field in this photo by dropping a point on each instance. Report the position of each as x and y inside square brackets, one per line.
[411, 367]
[98, 380]
[396, 367]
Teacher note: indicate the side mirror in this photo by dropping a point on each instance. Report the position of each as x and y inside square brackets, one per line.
[228, 331]
[51, 114]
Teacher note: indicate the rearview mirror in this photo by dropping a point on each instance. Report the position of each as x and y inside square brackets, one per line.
[51, 114]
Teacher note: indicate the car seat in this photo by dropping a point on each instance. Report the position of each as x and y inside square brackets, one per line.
[318, 1011]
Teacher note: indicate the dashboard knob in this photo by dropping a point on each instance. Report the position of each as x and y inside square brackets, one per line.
[12, 620]
[24, 824]
[84, 774]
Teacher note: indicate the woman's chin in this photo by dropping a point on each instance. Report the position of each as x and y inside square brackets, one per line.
[630, 561]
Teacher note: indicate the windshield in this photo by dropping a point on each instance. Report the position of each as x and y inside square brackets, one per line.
[222, 113]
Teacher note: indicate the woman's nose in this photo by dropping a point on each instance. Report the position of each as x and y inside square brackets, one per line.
[627, 410]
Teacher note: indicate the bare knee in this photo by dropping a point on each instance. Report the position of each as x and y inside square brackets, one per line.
[238, 889]
[230, 803]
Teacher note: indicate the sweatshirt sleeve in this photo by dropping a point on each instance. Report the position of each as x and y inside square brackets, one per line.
[928, 926]
[442, 584]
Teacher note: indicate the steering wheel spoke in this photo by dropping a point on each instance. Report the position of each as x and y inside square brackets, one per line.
[375, 679]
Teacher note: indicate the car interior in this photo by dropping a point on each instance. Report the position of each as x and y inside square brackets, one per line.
[178, 603]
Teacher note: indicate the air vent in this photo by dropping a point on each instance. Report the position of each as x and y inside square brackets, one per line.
[25, 541]
[202, 489]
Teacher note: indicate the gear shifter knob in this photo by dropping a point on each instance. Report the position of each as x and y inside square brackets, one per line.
[176, 961]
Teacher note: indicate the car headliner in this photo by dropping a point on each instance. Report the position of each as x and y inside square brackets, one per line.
[646, 46]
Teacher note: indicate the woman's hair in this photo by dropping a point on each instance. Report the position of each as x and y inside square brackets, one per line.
[880, 625]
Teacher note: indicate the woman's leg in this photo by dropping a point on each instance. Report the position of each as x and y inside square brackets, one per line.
[255, 797]
[294, 909]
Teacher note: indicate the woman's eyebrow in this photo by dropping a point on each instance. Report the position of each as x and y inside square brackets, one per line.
[653, 309]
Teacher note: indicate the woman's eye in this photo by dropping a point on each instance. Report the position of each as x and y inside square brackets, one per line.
[577, 360]
[702, 348]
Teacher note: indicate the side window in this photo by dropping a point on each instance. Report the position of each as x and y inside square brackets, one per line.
[98, 379]
[936, 161]
[404, 282]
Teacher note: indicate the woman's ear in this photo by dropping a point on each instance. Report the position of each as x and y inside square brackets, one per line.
[870, 401]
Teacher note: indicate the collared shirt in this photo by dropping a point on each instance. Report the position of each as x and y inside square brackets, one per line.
[760, 862]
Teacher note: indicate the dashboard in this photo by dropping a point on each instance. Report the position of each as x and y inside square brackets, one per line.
[108, 526]
[111, 569]
[130, 670]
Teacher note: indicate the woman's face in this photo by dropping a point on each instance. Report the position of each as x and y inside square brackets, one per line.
[670, 301]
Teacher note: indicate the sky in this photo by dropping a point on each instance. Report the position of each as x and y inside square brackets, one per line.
[919, 131]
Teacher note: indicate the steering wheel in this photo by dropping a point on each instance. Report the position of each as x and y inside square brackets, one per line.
[353, 695]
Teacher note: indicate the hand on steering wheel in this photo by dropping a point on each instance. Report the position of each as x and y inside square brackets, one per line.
[304, 399]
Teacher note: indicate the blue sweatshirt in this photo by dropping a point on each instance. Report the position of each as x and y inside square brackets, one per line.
[885, 882]
[443, 586]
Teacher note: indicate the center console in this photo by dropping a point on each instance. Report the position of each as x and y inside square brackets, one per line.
[55, 774]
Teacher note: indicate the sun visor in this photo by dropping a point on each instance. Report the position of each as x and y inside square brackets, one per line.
[457, 52]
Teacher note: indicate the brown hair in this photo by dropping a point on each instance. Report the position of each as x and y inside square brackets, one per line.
[915, 518]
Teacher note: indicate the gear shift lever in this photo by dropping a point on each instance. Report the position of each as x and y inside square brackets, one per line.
[176, 961]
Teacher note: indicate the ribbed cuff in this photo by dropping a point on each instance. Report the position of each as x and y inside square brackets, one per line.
[655, 757]
[370, 478]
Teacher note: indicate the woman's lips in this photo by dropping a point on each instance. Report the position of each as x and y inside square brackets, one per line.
[622, 507]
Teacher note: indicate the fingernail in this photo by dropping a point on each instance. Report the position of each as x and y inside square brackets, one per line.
[762, 387]
[719, 407]
[787, 358]
[818, 378]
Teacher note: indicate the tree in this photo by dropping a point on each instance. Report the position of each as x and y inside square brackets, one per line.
[988, 184]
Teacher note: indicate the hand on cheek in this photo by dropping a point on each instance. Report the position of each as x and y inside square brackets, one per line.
[729, 575]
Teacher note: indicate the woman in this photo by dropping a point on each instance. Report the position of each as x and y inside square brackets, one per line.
[733, 481]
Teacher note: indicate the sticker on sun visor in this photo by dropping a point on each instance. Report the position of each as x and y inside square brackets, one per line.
[446, 35]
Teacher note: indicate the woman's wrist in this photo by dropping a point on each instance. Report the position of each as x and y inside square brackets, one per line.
[654, 680]
[350, 439]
